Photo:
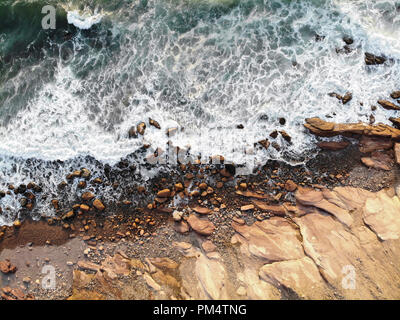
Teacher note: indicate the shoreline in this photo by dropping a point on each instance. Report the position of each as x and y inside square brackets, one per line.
[203, 206]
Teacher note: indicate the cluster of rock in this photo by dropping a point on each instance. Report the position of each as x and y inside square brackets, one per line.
[7, 293]
[380, 143]
[327, 247]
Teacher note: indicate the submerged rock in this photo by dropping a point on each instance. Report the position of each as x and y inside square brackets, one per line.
[371, 59]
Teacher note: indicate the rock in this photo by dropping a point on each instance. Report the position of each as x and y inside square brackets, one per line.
[320, 200]
[154, 123]
[329, 129]
[179, 186]
[171, 132]
[69, 215]
[165, 193]
[182, 227]
[301, 276]
[397, 153]
[276, 146]
[370, 144]
[382, 215]
[251, 194]
[344, 99]
[86, 173]
[378, 160]
[6, 267]
[164, 263]
[265, 143]
[225, 173]
[203, 227]
[141, 127]
[247, 207]
[26, 280]
[371, 59]
[348, 40]
[395, 121]
[290, 186]
[395, 95]
[286, 136]
[87, 196]
[333, 145]
[84, 207]
[17, 224]
[202, 210]
[347, 98]
[98, 205]
[388, 105]
[270, 240]
[203, 186]
[208, 246]
[275, 209]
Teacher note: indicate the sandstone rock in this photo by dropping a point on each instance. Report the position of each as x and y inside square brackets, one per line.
[202, 210]
[301, 276]
[165, 193]
[333, 145]
[395, 95]
[388, 105]
[309, 197]
[382, 215]
[171, 132]
[395, 121]
[6, 267]
[164, 263]
[329, 129]
[154, 123]
[371, 59]
[275, 209]
[17, 224]
[347, 98]
[286, 136]
[290, 186]
[251, 194]
[378, 160]
[265, 143]
[271, 240]
[98, 205]
[397, 153]
[203, 227]
[247, 207]
[182, 227]
[370, 144]
[208, 246]
[87, 196]
[141, 127]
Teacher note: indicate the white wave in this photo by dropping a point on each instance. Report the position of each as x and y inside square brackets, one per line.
[82, 21]
[246, 74]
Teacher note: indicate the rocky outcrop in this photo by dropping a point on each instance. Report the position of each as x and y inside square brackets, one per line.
[323, 128]
[388, 105]
[371, 59]
[334, 244]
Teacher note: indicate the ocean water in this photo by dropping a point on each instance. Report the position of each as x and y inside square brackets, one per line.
[204, 66]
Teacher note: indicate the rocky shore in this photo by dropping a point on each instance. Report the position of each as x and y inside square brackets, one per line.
[202, 231]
